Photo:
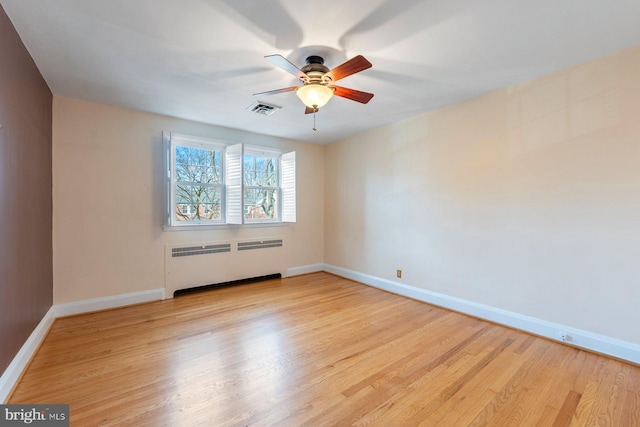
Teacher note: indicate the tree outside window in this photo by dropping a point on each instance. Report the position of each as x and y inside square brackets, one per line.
[261, 183]
[198, 188]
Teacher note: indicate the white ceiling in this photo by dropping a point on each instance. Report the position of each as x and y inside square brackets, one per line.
[203, 59]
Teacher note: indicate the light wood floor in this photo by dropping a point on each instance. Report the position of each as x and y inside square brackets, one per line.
[318, 350]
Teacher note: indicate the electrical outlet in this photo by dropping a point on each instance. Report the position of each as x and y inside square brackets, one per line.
[564, 336]
[399, 274]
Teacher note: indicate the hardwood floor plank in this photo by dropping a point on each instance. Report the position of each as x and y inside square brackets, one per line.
[497, 374]
[317, 350]
[553, 387]
[548, 417]
[545, 381]
[630, 414]
[568, 409]
[604, 395]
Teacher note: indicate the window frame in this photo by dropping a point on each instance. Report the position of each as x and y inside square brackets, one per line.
[232, 204]
[172, 141]
[274, 154]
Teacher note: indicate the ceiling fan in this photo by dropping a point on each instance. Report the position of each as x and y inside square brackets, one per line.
[317, 80]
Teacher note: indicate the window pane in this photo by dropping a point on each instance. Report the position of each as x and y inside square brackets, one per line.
[260, 203]
[198, 165]
[259, 171]
[250, 177]
[195, 203]
[249, 162]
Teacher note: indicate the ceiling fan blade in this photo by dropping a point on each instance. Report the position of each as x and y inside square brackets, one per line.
[352, 66]
[352, 94]
[274, 92]
[284, 63]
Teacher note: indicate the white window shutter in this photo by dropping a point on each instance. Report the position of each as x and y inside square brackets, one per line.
[168, 193]
[289, 187]
[233, 182]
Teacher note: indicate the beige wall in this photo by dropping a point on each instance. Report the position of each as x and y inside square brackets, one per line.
[526, 199]
[108, 200]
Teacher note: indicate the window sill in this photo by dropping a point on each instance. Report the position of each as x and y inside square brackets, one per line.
[223, 226]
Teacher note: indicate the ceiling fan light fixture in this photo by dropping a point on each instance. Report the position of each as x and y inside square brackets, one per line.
[314, 95]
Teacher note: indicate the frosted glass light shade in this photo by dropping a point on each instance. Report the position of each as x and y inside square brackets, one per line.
[314, 95]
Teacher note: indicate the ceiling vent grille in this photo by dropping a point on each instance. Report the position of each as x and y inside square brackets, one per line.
[262, 108]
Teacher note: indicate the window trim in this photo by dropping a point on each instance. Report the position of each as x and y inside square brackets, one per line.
[286, 208]
[173, 140]
[277, 155]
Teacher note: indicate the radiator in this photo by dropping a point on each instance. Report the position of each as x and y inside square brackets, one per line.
[206, 263]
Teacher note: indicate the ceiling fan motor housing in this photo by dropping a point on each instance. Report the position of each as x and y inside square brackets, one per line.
[315, 70]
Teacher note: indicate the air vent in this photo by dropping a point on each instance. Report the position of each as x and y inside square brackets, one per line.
[260, 244]
[200, 250]
[262, 108]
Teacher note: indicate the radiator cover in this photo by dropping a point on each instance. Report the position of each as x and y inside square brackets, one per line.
[205, 263]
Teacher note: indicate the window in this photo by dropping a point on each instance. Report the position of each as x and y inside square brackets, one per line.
[261, 191]
[212, 183]
[196, 184]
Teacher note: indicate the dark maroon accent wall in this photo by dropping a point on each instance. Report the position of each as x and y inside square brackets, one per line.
[26, 265]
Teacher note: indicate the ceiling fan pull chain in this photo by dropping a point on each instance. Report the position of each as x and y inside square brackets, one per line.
[314, 121]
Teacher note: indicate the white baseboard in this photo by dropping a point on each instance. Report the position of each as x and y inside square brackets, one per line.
[304, 269]
[576, 337]
[12, 374]
[104, 303]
